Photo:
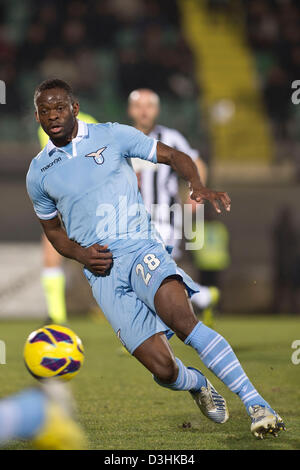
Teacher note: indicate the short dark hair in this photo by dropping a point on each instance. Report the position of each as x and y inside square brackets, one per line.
[53, 83]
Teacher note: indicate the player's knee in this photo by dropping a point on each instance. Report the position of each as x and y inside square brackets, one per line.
[167, 371]
[182, 330]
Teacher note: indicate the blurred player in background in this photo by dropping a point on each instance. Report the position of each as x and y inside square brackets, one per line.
[43, 416]
[53, 277]
[214, 257]
[159, 184]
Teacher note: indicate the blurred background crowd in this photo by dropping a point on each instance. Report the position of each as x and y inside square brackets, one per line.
[224, 71]
[274, 35]
[118, 45]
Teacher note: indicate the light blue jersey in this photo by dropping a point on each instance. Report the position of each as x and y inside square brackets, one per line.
[91, 183]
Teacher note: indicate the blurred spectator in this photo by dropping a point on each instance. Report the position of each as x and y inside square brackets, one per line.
[277, 93]
[74, 35]
[220, 9]
[58, 64]
[33, 49]
[214, 257]
[88, 81]
[103, 24]
[127, 11]
[286, 245]
[7, 49]
[1, 14]
[78, 10]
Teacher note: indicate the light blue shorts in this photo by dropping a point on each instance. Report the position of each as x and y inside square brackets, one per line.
[126, 295]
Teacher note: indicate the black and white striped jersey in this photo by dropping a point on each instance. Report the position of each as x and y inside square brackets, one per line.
[159, 187]
[159, 183]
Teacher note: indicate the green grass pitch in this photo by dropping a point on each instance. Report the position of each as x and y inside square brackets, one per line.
[120, 406]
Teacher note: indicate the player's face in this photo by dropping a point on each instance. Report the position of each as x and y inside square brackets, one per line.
[57, 114]
[144, 110]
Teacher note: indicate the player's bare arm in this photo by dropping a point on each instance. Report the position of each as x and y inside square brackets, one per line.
[96, 258]
[186, 169]
[202, 168]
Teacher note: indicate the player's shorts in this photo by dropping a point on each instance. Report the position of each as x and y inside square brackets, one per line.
[171, 236]
[126, 295]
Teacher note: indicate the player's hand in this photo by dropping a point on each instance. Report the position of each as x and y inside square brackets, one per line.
[97, 259]
[214, 197]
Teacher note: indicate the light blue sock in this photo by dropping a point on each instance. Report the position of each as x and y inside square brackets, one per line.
[187, 379]
[22, 415]
[218, 356]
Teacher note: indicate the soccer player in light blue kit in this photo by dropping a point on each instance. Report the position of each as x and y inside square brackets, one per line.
[84, 174]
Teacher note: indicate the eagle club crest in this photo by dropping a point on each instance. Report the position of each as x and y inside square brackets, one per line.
[97, 156]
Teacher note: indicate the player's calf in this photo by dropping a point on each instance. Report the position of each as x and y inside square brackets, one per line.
[156, 355]
[166, 372]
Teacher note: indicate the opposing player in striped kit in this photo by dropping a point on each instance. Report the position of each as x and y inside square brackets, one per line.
[159, 184]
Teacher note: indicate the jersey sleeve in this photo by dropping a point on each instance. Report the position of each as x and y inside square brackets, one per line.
[43, 205]
[181, 144]
[133, 143]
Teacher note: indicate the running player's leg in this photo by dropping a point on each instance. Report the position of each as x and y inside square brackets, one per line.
[53, 281]
[157, 356]
[161, 285]
[142, 332]
[169, 372]
[174, 309]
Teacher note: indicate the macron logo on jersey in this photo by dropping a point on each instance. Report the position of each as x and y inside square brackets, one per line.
[97, 156]
[56, 160]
